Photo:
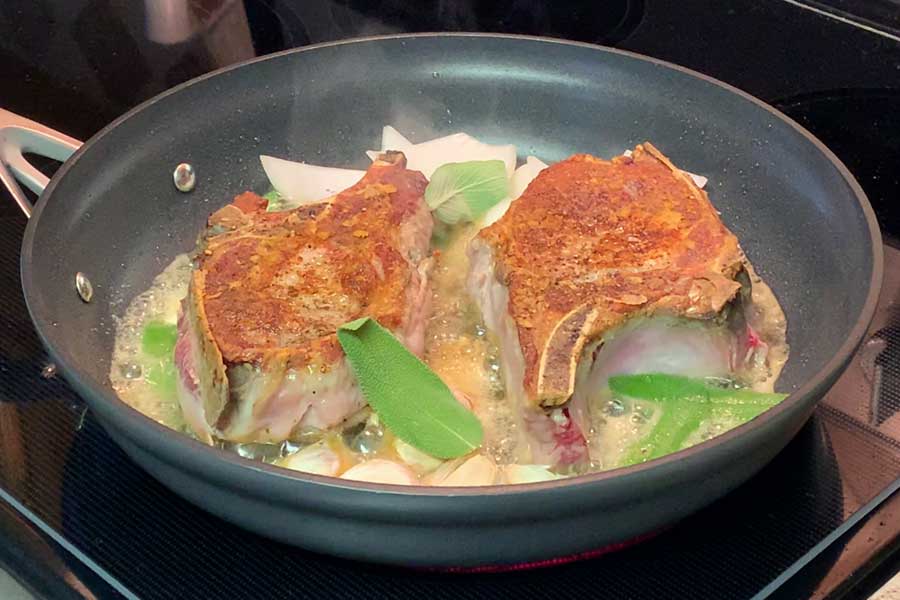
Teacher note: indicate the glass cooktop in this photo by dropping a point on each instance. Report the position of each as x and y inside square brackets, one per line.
[79, 519]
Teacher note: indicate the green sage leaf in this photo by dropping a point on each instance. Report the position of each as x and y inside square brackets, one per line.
[462, 192]
[685, 403]
[661, 387]
[407, 395]
[159, 339]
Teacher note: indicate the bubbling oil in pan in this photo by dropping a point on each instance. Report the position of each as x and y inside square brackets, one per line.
[128, 375]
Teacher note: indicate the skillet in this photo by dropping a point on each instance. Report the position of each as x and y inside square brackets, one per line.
[112, 213]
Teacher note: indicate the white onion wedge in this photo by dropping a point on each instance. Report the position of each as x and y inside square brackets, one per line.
[699, 180]
[528, 474]
[494, 213]
[458, 147]
[318, 459]
[443, 471]
[478, 470]
[307, 184]
[391, 139]
[523, 176]
[379, 470]
[420, 462]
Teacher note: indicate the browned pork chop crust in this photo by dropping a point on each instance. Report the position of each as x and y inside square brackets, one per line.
[271, 289]
[593, 242]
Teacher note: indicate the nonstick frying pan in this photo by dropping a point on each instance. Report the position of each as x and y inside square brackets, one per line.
[112, 213]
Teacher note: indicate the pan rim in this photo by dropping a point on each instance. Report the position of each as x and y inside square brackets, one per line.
[195, 456]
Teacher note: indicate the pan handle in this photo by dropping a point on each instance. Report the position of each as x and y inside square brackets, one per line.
[19, 135]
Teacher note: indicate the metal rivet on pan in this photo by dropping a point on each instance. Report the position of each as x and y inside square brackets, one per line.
[83, 287]
[49, 371]
[184, 177]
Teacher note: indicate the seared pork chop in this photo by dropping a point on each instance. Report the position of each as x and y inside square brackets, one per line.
[257, 352]
[590, 244]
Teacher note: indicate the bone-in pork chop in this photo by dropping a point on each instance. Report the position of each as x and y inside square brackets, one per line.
[588, 245]
[257, 352]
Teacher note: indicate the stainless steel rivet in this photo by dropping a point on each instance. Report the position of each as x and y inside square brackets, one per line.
[184, 177]
[83, 287]
[49, 371]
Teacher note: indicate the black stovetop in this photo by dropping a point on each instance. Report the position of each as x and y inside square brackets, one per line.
[78, 518]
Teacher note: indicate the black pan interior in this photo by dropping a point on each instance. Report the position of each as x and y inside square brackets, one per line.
[114, 214]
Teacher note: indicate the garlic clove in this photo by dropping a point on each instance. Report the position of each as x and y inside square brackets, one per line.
[379, 470]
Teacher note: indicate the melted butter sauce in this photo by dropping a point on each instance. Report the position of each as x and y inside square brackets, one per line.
[616, 426]
[460, 351]
[767, 317]
[130, 365]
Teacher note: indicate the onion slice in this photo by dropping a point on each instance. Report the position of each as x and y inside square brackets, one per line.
[458, 147]
[523, 176]
[301, 183]
[699, 180]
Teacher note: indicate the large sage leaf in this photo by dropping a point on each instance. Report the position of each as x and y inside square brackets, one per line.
[409, 397]
[462, 192]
